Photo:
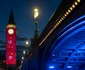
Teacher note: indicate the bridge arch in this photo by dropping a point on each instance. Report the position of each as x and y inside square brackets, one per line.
[65, 49]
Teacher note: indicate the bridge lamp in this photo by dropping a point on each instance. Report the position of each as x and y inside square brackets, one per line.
[71, 8]
[22, 58]
[59, 22]
[27, 42]
[69, 11]
[24, 52]
[78, 0]
[62, 18]
[75, 3]
[65, 15]
[36, 13]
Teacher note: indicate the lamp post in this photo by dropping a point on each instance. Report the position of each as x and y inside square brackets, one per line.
[36, 13]
[27, 43]
[24, 52]
[27, 51]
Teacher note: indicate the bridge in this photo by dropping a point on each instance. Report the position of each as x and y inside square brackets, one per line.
[62, 42]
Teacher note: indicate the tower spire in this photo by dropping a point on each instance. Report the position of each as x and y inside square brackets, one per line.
[11, 18]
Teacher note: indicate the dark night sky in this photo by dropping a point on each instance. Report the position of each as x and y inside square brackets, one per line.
[23, 15]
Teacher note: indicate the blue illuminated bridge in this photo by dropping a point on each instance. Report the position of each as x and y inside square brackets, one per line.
[62, 42]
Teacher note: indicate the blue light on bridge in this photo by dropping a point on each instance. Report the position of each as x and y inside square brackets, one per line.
[69, 51]
[51, 67]
[53, 55]
[69, 66]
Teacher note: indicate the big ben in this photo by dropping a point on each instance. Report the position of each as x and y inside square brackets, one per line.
[11, 41]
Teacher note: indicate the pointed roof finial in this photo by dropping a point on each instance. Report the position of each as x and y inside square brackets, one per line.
[11, 18]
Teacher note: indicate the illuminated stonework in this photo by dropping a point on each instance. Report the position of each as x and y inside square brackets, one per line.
[11, 26]
[11, 41]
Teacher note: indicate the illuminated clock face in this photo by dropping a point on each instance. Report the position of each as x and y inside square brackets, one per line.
[10, 31]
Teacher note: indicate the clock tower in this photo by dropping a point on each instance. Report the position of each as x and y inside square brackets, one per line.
[11, 41]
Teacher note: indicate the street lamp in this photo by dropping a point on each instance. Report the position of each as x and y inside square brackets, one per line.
[36, 13]
[22, 58]
[27, 43]
[24, 52]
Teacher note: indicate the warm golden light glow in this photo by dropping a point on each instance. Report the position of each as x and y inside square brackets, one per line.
[78, 0]
[62, 18]
[11, 26]
[36, 13]
[10, 31]
[69, 11]
[73, 6]
[75, 3]
[27, 42]
[49, 33]
[65, 15]
[35, 10]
